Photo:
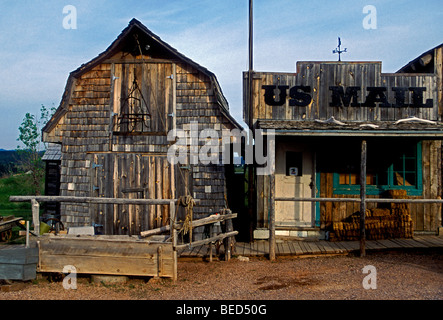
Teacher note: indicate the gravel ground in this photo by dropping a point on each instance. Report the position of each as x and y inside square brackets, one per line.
[402, 275]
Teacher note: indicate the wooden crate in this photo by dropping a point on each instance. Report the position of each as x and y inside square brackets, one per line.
[112, 255]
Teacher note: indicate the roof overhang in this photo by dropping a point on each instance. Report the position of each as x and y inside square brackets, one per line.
[423, 130]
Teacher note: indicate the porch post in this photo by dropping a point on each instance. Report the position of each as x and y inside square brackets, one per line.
[272, 219]
[272, 204]
[363, 197]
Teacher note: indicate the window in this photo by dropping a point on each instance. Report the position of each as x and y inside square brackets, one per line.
[391, 166]
[294, 161]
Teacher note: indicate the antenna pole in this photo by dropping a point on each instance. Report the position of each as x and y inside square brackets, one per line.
[251, 30]
[250, 167]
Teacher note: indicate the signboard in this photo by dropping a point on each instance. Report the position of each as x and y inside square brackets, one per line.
[348, 97]
[347, 91]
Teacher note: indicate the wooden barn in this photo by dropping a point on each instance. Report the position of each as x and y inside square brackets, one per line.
[113, 123]
[320, 116]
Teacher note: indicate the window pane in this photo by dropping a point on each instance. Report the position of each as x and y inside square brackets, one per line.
[399, 179]
[410, 164]
[343, 178]
[370, 179]
[398, 164]
[355, 179]
[410, 179]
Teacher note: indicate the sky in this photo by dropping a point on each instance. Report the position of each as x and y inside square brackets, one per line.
[38, 50]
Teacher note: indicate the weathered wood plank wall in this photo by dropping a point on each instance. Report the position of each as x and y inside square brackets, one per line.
[319, 76]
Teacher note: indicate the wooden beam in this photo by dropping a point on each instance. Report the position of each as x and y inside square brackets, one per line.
[152, 232]
[35, 207]
[205, 241]
[373, 200]
[272, 204]
[195, 223]
[173, 217]
[319, 199]
[90, 200]
[207, 220]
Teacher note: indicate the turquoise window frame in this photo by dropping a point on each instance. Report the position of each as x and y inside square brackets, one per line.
[416, 190]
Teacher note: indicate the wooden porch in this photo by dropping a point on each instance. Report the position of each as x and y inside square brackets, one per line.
[320, 247]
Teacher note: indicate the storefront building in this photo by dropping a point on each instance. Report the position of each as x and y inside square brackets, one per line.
[320, 116]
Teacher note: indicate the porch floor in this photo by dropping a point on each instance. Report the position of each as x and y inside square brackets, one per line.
[319, 247]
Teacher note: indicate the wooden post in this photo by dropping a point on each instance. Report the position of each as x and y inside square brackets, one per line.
[271, 148]
[173, 232]
[27, 234]
[210, 249]
[363, 197]
[35, 207]
[229, 228]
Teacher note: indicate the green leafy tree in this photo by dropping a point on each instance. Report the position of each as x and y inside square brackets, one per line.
[30, 154]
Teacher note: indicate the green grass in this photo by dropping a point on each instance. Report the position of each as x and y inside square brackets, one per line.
[16, 185]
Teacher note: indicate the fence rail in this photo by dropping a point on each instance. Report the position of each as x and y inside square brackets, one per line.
[373, 200]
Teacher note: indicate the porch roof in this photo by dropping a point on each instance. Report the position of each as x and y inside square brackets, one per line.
[410, 127]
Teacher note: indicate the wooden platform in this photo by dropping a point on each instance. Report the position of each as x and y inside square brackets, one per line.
[301, 247]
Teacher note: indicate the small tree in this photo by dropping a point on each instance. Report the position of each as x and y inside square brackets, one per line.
[30, 156]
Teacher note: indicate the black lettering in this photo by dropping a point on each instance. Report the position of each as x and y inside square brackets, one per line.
[340, 98]
[400, 94]
[299, 97]
[376, 94]
[417, 98]
[271, 98]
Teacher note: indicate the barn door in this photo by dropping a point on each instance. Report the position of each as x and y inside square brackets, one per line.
[143, 97]
[101, 173]
[132, 176]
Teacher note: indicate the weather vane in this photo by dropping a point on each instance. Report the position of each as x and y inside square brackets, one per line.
[338, 49]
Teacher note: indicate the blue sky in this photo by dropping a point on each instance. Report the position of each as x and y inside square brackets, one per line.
[37, 53]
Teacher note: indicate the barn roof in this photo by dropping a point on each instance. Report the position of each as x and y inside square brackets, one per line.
[157, 48]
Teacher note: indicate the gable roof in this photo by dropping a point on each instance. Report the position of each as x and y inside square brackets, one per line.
[156, 45]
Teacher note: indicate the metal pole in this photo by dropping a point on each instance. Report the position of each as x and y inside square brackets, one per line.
[250, 36]
[363, 197]
[251, 201]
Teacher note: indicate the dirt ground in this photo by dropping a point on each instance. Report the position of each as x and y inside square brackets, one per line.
[406, 275]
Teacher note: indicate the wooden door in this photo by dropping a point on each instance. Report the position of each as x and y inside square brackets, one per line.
[131, 176]
[143, 97]
[293, 181]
